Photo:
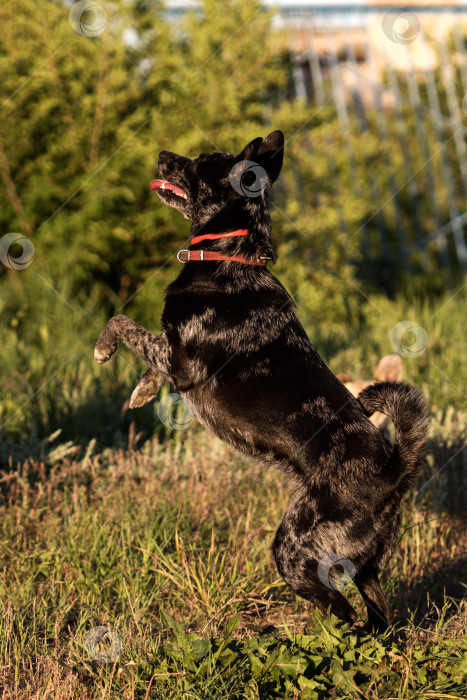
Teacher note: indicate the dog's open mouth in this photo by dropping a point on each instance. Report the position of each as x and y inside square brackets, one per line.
[167, 190]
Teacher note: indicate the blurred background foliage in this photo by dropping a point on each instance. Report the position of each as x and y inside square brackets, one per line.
[82, 121]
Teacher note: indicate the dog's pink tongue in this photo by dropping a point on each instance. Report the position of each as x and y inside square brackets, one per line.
[164, 185]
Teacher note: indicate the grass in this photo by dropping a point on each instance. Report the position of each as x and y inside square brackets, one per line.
[50, 381]
[109, 519]
[168, 545]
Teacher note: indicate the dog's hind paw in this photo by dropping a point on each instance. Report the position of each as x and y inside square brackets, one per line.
[146, 390]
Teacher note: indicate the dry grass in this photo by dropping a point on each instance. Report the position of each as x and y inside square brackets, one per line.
[121, 537]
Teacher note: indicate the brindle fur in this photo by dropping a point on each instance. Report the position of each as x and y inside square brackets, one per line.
[234, 349]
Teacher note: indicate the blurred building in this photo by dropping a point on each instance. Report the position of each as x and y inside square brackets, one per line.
[369, 34]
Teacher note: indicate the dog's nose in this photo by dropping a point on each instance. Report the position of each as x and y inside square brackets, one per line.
[163, 155]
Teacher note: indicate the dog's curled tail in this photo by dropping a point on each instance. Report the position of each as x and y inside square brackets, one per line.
[407, 408]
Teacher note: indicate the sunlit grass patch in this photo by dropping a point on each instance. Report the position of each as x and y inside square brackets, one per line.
[168, 546]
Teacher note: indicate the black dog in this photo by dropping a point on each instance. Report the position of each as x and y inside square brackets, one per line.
[234, 349]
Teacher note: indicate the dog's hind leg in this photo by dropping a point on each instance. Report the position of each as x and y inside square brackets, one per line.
[152, 348]
[297, 561]
[379, 612]
[366, 580]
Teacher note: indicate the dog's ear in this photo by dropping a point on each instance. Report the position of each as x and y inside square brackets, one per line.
[250, 152]
[270, 154]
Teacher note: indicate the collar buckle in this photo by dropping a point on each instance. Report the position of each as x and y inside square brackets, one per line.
[185, 258]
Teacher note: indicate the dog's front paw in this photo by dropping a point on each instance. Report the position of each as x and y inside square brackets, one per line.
[103, 351]
[146, 390]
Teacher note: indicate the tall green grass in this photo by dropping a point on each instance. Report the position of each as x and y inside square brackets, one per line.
[169, 547]
[109, 518]
[50, 380]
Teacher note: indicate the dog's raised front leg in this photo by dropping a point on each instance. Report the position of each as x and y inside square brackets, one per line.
[146, 390]
[152, 348]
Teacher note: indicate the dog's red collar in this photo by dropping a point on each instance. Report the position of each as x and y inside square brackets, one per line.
[185, 256]
[213, 236]
[201, 255]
